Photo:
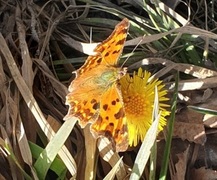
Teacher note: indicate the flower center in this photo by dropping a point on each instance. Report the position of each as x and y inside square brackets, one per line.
[135, 105]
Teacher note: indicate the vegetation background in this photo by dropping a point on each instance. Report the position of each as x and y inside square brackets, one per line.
[43, 42]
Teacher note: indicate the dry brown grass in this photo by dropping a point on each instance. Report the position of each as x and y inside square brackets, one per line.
[41, 43]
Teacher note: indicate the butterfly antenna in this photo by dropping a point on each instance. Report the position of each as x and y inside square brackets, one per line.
[132, 52]
[91, 33]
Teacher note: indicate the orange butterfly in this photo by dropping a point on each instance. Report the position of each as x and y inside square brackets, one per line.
[94, 95]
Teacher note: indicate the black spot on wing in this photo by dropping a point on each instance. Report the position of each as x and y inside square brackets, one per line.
[93, 101]
[105, 107]
[120, 42]
[119, 114]
[116, 51]
[99, 61]
[113, 103]
[95, 106]
[84, 103]
[111, 124]
[107, 54]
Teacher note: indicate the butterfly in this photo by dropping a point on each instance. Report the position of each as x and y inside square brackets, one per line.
[94, 95]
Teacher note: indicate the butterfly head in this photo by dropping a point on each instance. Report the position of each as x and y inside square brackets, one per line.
[122, 72]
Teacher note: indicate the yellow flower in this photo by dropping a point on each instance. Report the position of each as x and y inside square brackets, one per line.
[138, 96]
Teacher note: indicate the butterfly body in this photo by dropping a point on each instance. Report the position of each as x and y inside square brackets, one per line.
[94, 95]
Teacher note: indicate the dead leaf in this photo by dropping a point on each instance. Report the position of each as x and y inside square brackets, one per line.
[203, 173]
[181, 165]
[190, 131]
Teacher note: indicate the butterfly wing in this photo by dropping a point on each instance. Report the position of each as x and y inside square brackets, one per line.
[84, 96]
[84, 105]
[111, 121]
[109, 51]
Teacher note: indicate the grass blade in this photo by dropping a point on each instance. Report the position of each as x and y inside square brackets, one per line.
[49, 153]
[165, 162]
[203, 110]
